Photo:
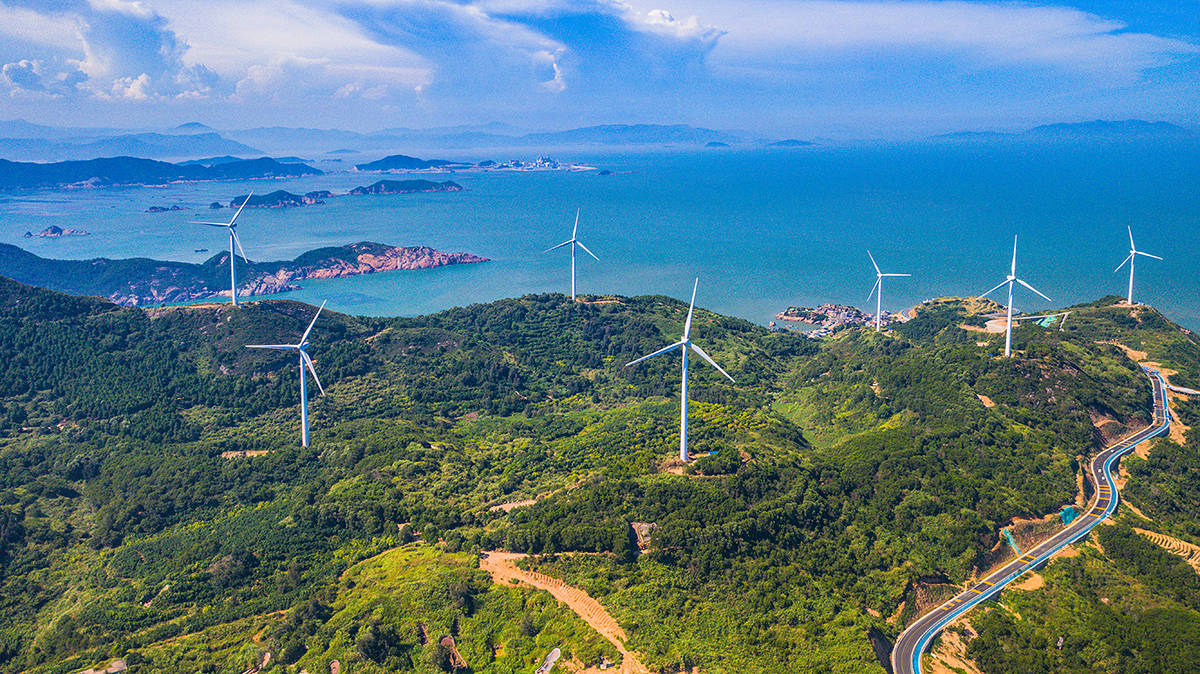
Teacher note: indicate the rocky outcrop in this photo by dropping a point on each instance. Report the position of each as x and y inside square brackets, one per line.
[54, 232]
[368, 258]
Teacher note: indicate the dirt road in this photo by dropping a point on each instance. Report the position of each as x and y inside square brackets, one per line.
[503, 567]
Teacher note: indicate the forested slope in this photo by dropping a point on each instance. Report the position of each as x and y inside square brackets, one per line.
[153, 498]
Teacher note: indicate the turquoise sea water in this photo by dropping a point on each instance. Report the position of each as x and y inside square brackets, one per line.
[762, 228]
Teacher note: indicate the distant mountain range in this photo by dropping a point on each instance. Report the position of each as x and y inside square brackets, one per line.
[154, 145]
[1075, 131]
[137, 171]
[140, 281]
[23, 140]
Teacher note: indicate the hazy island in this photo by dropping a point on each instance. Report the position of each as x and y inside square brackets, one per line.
[141, 281]
[406, 187]
[285, 199]
[405, 163]
[113, 171]
[402, 162]
[279, 199]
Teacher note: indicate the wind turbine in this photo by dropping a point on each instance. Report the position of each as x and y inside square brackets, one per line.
[683, 345]
[879, 276]
[572, 242]
[1133, 252]
[1012, 277]
[233, 238]
[300, 348]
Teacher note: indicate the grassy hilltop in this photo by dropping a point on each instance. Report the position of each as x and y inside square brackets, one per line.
[154, 503]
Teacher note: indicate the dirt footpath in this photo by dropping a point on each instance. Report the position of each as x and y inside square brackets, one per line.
[503, 568]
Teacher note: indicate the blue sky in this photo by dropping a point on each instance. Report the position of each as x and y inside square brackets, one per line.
[837, 68]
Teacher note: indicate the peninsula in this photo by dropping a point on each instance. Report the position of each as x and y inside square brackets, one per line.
[141, 281]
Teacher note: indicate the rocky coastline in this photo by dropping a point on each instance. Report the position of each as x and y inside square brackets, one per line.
[141, 281]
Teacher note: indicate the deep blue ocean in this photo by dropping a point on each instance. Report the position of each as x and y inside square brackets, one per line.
[762, 228]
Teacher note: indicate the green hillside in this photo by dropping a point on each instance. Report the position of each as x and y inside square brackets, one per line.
[154, 502]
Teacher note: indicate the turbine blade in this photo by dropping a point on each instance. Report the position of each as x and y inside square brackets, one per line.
[239, 210]
[712, 362]
[873, 262]
[1014, 261]
[1149, 255]
[656, 353]
[575, 229]
[1034, 290]
[1127, 259]
[998, 286]
[895, 274]
[585, 249]
[687, 327]
[278, 347]
[1131, 246]
[311, 368]
[314, 322]
[241, 250]
[211, 224]
[564, 243]
[874, 288]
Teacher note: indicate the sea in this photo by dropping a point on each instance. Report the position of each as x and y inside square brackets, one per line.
[761, 228]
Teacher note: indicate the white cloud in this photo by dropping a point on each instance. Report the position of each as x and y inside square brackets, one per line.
[988, 33]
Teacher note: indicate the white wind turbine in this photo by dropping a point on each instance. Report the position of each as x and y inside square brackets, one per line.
[1012, 278]
[305, 362]
[1133, 253]
[233, 239]
[572, 242]
[683, 345]
[879, 276]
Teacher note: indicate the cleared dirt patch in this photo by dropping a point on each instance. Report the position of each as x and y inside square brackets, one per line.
[1030, 582]
[987, 402]
[235, 454]
[503, 568]
[950, 656]
[506, 507]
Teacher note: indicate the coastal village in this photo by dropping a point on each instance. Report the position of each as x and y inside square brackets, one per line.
[829, 318]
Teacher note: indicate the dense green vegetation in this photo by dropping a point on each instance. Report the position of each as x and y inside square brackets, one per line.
[154, 502]
[1131, 608]
[1124, 604]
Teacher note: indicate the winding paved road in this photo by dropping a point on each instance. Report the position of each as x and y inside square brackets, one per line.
[912, 642]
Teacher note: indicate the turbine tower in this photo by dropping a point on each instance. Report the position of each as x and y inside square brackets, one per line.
[1133, 253]
[683, 345]
[572, 242]
[305, 362]
[879, 276]
[1009, 280]
[233, 238]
